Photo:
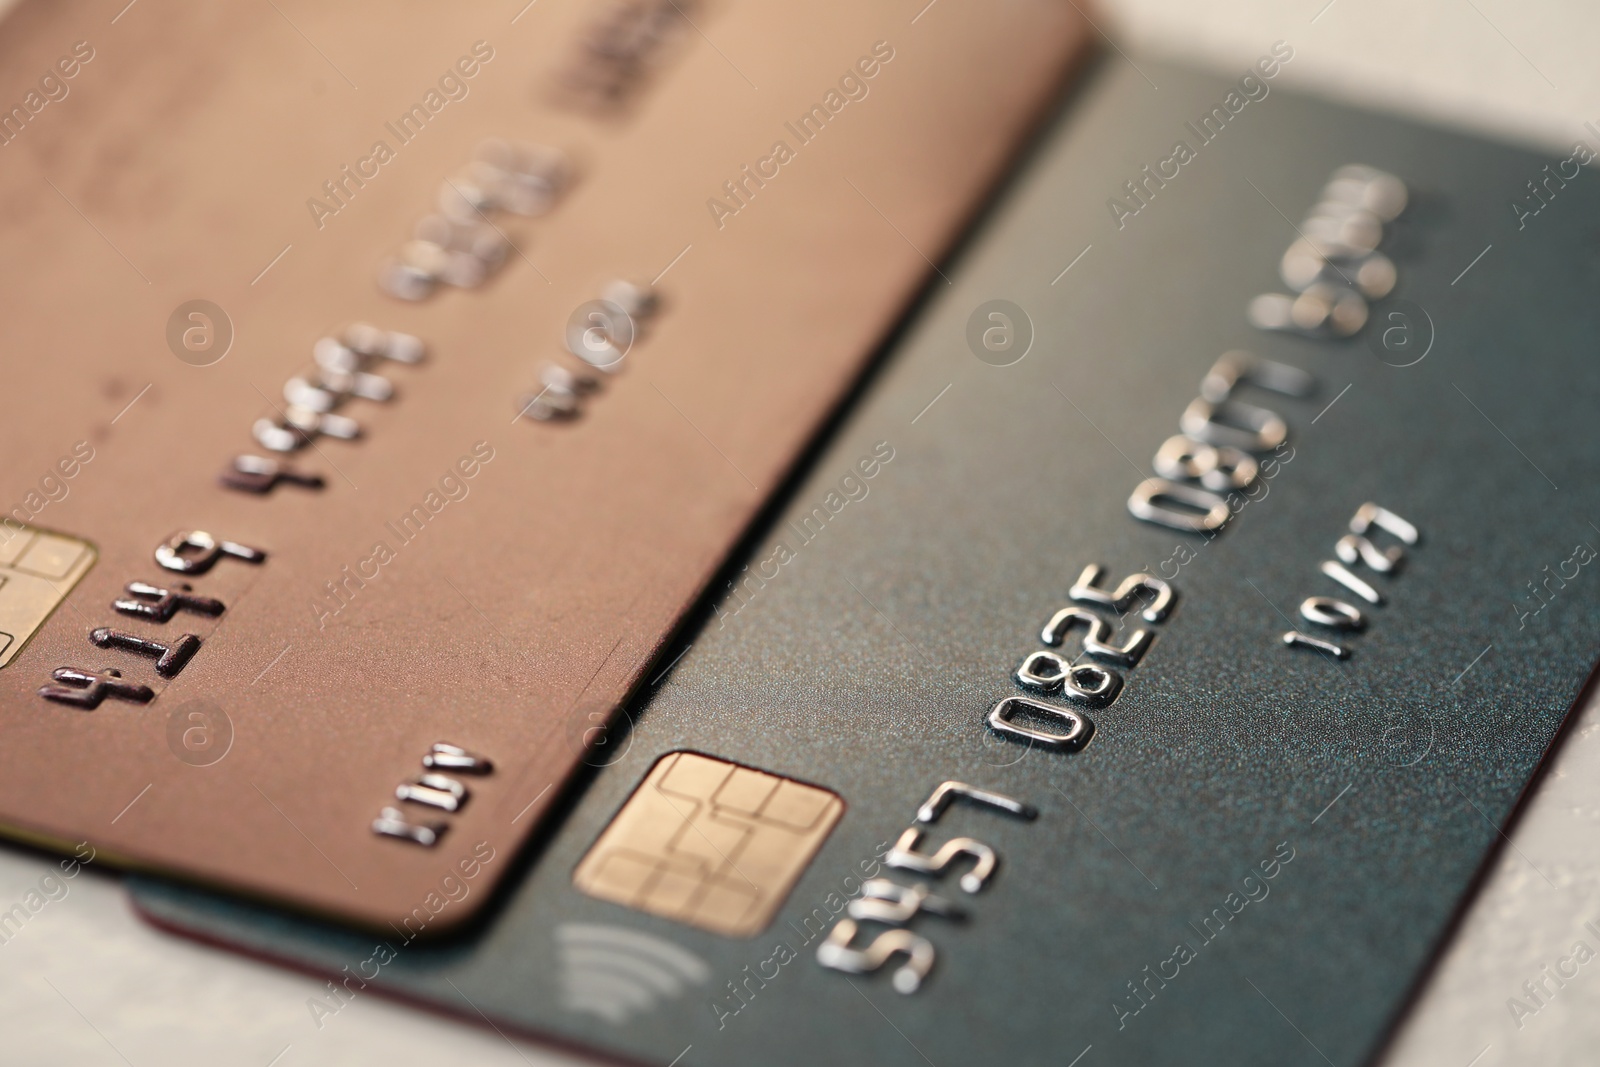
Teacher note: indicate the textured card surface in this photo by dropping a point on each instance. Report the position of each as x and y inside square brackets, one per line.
[1182, 835]
[412, 373]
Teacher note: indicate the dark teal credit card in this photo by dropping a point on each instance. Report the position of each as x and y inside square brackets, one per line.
[1222, 523]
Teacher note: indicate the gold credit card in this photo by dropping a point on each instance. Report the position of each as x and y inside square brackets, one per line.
[414, 376]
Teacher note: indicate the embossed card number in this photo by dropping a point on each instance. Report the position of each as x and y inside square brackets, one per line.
[1207, 470]
[887, 903]
[1090, 685]
[188, 552]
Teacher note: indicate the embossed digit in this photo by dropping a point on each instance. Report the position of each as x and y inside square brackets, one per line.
[1233, 422]
[893, 904]
[1048, 672]
[1156, 499]
[1095, 641]
[905, 856]
[1358, 548]
[1334, 614]
[1237, 368]
[1218, 468]
[1369, 515]
[1078, 729]
[1086, 590]
[1181, 456]
[836, 952]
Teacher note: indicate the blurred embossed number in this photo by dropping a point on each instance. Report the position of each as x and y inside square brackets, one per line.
[199, 733]
[199, 332]
[1206, 471]
[999, 333]
[1402, 334]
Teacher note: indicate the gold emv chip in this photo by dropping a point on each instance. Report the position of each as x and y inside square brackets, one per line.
[37, 571]
[709, 843]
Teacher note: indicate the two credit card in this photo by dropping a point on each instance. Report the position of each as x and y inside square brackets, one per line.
[427, 369]
[1168, 676]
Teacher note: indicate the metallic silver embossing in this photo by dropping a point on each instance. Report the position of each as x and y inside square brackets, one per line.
[836, 952]
[392, 822]
[1075, 733]
[946, 792]
[904, 855]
